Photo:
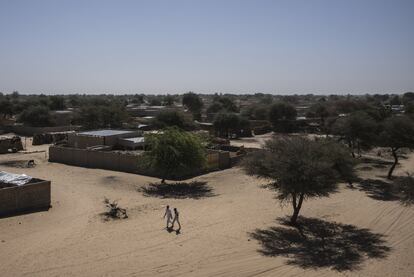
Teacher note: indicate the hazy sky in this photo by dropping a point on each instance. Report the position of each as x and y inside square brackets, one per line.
[308, 46]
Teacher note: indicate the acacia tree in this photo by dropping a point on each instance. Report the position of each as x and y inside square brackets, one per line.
[319, 110]
[169, 100]
[222, 104]
[194, 103]
[36, 116]
[175, 153]
[282, 116]
[227, 124]
[398, 132]
[6, 107]
[301, 168]
[172, 118]
[358, 131]
[57, 102]
[101, 116]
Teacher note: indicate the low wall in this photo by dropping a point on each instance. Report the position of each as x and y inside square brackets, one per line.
[95, 159]
[30, 131]
[76, 141]
[121, 161]
[212, 162]
[230, 148]
[26, 198]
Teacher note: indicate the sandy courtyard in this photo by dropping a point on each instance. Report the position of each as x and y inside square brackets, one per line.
[217, 237]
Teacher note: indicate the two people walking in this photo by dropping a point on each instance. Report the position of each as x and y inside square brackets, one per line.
[170, 218]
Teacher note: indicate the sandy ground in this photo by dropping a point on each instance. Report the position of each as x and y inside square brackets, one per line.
[71, 239]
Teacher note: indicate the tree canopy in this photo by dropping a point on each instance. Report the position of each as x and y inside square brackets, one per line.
[301, 168]
[6, 107]
[57, 103]
[175, 153]
[36, 116]
[282, 116]
[222, 104]
[194, 103]
[228, 124]
[170, 118]
[397, 133]
[358, 130]
[102, 116]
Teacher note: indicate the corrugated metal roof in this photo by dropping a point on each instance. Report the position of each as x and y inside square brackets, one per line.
[104, 133]
[136, 139]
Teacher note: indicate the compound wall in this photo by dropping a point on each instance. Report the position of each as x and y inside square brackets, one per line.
[122, 161]
[26, 198]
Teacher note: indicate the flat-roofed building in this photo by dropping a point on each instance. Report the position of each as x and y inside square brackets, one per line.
[20, 193]
[108, 137]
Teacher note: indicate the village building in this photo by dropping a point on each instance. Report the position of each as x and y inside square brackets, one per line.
[20, 193]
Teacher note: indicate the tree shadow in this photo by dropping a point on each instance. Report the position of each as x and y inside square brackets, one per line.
[376, 162]
[365, 168]
[378, 189]
[316, 243]
[179, 190]
[404, 185]
[16, 163]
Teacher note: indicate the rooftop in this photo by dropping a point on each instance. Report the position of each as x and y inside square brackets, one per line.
[104, 133]
[12, 179]
[136, 139]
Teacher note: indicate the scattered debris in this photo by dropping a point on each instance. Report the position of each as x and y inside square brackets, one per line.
[114, 211]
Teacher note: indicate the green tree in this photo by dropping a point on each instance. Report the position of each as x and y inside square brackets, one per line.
[36, 116]
[194, 103]
[92, 117]
[175, 153]
[319, 110]
[409, 108]
[408, 97]
[89, 117]
[155, 101]
[15, 94]
[301, 168]
[138, 99]
[113, 115]
[282, 116]
[222, 104]
[57, 103]
[395, 100]
[6, 107]
[170, 118]
[398, 132]
[215, 107]
[257, 111]
[358, 130]
[228, 124]
[168, 100]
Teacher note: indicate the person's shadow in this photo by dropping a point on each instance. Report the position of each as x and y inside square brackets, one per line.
[171, 229]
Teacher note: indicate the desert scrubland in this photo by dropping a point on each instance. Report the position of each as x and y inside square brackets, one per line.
[231, 227]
